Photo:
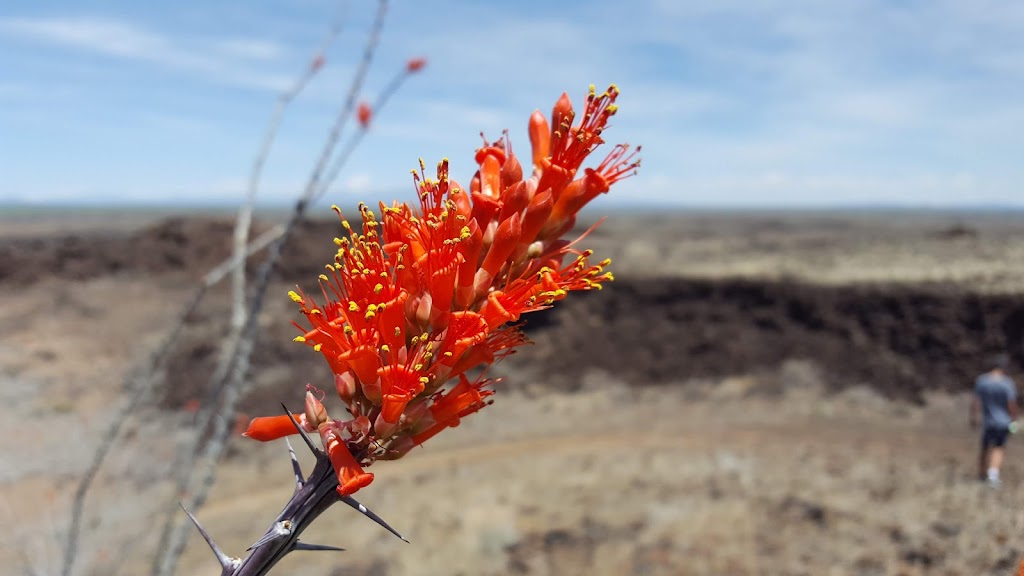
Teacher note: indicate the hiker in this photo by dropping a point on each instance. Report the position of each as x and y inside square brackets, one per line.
[995, 399]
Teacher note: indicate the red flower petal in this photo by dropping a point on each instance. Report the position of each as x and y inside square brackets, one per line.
[351, 476]
[272, 427]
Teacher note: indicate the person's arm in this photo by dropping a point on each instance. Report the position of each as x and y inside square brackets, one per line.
[975, 411]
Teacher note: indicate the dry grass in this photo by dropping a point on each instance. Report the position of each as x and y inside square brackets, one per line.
[761, 473]
[974, 250]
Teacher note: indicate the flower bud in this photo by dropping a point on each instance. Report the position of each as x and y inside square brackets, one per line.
[345, 384]
[383, 429]
[363, 115]
[372, 390]
[540, 138]
[561, 117]
[316, 414]
[415, 64]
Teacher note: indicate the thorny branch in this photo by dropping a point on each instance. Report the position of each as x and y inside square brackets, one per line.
[140, 383]
[142, 380]
[312, 496]
[353, 143]
[243, 221]
[229, 349]
[232, 385]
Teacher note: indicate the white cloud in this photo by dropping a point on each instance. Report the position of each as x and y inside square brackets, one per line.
[357, 184]
[250, 49]
[234, 61]
[105, 36]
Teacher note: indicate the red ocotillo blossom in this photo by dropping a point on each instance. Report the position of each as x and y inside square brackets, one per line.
[363, 114]
[415, 64]
[419, 296]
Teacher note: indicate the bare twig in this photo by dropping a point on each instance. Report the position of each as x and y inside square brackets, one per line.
[232, 386]
[229, 348]
[215, 275]
[382, 99]
[243, 221]
[243, 224]
[139, 386]
[140, 383]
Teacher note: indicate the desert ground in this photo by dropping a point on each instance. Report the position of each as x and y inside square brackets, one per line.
[756, 393]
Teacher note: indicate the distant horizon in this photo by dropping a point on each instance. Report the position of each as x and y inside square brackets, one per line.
[221, 206]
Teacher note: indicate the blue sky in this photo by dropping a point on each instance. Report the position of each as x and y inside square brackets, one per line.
[736, 102]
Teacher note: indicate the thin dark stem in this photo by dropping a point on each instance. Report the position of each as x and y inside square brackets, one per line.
[208, 409]
[141, 383]
[243, 221]
[232, 386]
[139, 386]
[339, 163]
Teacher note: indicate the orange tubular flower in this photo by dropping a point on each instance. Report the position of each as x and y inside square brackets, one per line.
[418, 298]
[351, 476]
[272, 427]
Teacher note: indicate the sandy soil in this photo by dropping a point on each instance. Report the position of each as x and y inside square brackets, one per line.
[791, 466]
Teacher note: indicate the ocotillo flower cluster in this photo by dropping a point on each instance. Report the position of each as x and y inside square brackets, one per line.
[420, 299]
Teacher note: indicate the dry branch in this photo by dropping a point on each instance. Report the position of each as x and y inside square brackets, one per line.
[140, 383]
[232, 386]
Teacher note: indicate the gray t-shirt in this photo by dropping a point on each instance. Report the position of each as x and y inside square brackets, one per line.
[995, 391]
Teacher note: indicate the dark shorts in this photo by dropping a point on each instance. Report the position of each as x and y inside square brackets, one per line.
[994, 437]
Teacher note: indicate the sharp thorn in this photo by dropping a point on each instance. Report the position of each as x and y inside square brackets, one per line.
[299, 482]
[278, 530]
[369, 514]
[266, 538]
[227, 563]
[309, 443]
[313, 547]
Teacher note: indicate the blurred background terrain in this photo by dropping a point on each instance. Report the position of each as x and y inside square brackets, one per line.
[824, 243]
[756, 393]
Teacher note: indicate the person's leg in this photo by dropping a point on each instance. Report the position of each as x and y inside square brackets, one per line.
[995, 460]
[996, 453]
